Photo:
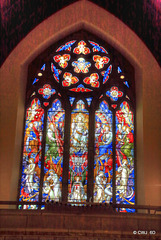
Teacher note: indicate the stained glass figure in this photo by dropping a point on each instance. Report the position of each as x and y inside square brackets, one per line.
[125, 191]
[106, 73]
[92, 80]
[69, 79]
[78, 162]
[81, 48]
[53, 166]
[100, 61]
[62, 60]
[97, 47]
[35, 80]
[114, 94]
[80, 88]
[103, 164]
[31, 165]
[46, 91]
[81, 65]
[56, 72]
[67, 46]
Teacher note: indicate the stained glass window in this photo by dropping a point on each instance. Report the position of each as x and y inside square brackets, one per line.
[79, 129]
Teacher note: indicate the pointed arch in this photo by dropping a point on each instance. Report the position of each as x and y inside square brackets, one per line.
[131, 47]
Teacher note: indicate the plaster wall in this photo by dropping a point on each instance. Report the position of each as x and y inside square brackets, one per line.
[13, 75]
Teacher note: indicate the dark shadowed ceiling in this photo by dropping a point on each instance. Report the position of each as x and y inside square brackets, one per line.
[19, 17]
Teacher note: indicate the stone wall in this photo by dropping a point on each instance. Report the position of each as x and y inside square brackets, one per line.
[19, 17]
[77, 224]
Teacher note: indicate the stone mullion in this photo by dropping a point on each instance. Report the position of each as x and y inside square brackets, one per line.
[90, 181]
[66, 156]
[43, 157]
[114, 157]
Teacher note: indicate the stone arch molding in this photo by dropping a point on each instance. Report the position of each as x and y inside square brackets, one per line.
[80, 15]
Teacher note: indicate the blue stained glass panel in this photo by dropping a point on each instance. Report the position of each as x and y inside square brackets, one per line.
[126, 83]
[66, 46]
[31, 165]
[119, 70]
[71, 99]
[35, 80]
[97, 47]
[89, 100]
[43, 67]
[103, 163]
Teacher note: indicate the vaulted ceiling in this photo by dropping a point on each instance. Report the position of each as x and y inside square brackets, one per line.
[19, 17]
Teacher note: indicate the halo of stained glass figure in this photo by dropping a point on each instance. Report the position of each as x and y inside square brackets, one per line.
[81, 82]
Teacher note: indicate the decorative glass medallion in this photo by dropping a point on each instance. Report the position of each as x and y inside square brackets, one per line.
[46, 91]
[81, 65]
[69, 79]
[81, 48]
[92, 80]
[100, 61]
[62, 60]
[114, 94]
